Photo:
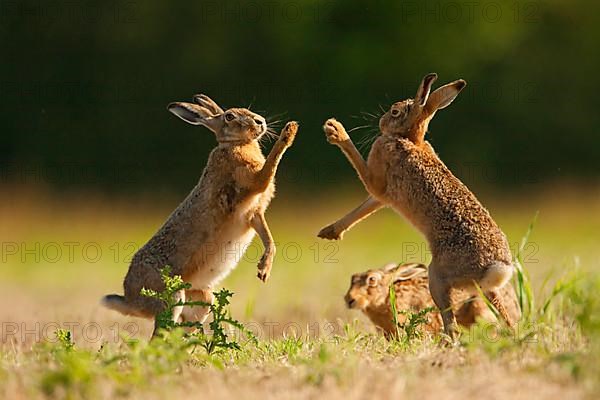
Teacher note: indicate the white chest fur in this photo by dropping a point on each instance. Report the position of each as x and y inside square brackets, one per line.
[220, 254]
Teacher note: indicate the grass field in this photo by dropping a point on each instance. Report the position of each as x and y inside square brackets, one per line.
[60, 254]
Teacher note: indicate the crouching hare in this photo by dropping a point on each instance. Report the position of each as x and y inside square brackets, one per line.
[404, 172]
[206, 235]
[370, 292]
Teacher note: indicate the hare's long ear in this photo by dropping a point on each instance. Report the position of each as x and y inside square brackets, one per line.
[409, 271]
[443, 96]
[391, 267]
[207, 102]
[196, 115]
[424, 89]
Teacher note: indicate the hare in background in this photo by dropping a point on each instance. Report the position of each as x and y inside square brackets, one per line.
[370, 292]
[207, 234]
[404, 172]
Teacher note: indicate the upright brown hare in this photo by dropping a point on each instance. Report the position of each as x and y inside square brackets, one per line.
[404, 172]
[207, 234]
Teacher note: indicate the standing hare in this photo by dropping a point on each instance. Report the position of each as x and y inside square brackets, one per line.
[207, 234]
[370, 292]
[404, 172]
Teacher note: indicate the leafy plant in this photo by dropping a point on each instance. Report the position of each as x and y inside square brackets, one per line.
[219, 338]
[409, 330]
[168, 296]
[221, 316]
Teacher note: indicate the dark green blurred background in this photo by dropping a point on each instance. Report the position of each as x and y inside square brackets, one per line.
[84, 85]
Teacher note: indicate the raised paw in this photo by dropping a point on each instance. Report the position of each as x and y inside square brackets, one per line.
[264, 267]
[335, 132]
[288, 133]
[329, 232]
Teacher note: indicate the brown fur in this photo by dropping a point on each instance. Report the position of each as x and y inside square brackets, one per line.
[404, 172]
[218, 217]
[412, 294]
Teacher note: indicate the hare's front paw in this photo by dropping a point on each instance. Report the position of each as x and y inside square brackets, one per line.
[329, 232]
[335, 132]
[288, 133]
[264, 266]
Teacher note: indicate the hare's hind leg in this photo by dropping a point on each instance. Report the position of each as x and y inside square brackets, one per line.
[495, 297]
[495, 278]
[440, 292]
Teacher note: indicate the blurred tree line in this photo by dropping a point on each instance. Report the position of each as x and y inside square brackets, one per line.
[84, 85]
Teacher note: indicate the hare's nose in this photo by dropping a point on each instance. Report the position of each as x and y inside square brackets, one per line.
[258, 121]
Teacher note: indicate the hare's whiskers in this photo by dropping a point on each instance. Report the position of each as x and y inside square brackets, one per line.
[274, 124]
[370, 115]
[358, 127]
[278, 117]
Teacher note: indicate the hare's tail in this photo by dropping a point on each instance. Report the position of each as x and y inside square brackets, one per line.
[119, 303]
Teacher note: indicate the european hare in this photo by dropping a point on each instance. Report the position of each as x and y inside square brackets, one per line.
[207, 234]
[404, 172]
[369, 292]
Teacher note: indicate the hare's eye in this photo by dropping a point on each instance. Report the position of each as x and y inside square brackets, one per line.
[395, 113]
[372, 281]
[229, 117]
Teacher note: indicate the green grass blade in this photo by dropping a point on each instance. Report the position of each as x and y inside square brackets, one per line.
[524, 289]
[487, 302]
[394, 309]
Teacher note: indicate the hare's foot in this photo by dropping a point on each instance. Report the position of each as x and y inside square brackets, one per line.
[440, 292]
[288, 133]
[335, 132]
[448, 341]
[264, 266]
[329, 232]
